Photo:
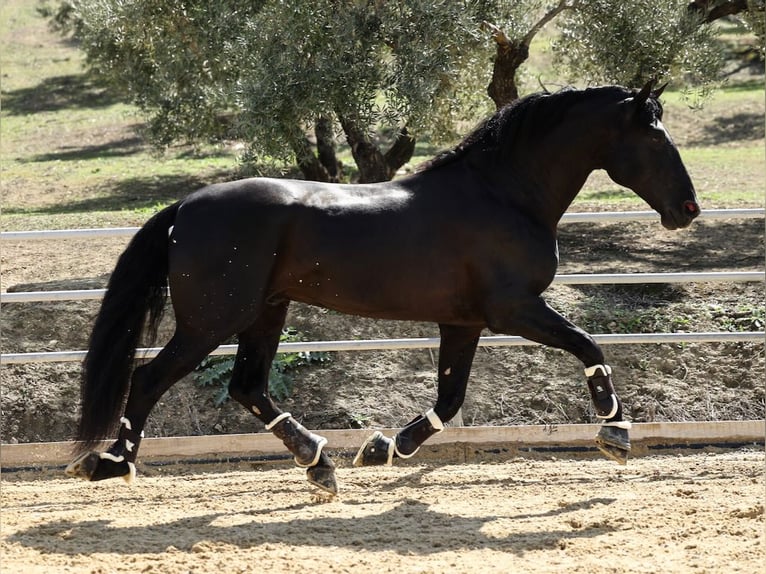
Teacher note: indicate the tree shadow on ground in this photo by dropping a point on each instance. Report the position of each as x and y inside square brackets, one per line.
[389, 530]
[743, 126]
[134, 193]
[638, 247]
[73, 91]
[117, 148]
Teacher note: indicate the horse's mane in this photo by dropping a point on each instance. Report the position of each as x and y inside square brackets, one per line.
[530, 116]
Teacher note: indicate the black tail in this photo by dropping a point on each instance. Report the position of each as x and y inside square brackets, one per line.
[137, 288]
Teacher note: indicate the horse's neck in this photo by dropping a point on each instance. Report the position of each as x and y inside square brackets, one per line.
[549, 177]
[543, 191]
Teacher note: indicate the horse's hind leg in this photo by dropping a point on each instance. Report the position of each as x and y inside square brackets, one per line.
[149, 382]
[456, 352]
[250, 387]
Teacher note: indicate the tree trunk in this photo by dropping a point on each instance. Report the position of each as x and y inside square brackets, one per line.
[400, 151]
[511, 54]
[502, 89]
[309, 164]
[326, 149]
[367, 155]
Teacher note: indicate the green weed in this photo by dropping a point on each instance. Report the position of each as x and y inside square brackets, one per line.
[743, 317]
[215, 371]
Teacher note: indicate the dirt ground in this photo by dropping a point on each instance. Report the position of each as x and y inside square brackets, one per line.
[695, 513]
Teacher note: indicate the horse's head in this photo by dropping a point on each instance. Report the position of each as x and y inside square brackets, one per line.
[642, 157]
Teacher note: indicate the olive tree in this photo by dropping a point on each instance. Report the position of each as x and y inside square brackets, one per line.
[400, 68]
[628, 42]
[287, 77]
[613, 41]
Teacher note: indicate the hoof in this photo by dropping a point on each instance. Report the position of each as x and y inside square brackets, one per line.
[377, 451]
[93, 466]
[323, 476]
[614, 443]
[84, 466]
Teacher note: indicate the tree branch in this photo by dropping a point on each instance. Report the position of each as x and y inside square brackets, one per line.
[550, 15]
[497, 35]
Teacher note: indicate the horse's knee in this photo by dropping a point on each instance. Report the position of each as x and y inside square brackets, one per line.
[258, 403]
[237, 393]
[140, 383]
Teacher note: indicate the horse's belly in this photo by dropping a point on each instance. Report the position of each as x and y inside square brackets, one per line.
[385, 293]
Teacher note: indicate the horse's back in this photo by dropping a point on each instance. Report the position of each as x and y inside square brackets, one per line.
[400, 250]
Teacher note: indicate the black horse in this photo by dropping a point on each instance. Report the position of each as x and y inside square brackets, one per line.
[468, 242]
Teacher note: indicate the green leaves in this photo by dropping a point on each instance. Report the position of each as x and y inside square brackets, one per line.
[263, 72]
[215, 371]
[606, 41]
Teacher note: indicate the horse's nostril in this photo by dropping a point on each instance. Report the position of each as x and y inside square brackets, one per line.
[691, 208]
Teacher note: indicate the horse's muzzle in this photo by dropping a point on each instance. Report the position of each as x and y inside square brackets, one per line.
[683, 217]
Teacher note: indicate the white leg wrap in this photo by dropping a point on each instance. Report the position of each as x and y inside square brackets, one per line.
[277, 420]
[435, 421]
[400, 455]
[110, 456]
[604, 370]
[131, 476]
[615, 406]
[322, 441]
[619, 424]
[126, 423]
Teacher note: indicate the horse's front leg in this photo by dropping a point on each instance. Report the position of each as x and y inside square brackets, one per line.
[456, 352]
[533, 319]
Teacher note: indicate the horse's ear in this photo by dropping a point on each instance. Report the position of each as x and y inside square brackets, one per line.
[658, 92]
[644, 94]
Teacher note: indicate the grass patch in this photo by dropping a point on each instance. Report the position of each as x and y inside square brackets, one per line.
[71, 146]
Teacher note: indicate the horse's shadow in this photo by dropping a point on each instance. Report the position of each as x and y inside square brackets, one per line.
[411, 527]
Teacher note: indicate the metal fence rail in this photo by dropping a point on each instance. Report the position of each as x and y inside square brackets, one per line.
[424, 343]
[416, 343]
[573, 279]
[598, 217]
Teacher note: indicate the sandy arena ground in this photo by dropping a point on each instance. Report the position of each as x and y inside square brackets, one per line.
[691, 513]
